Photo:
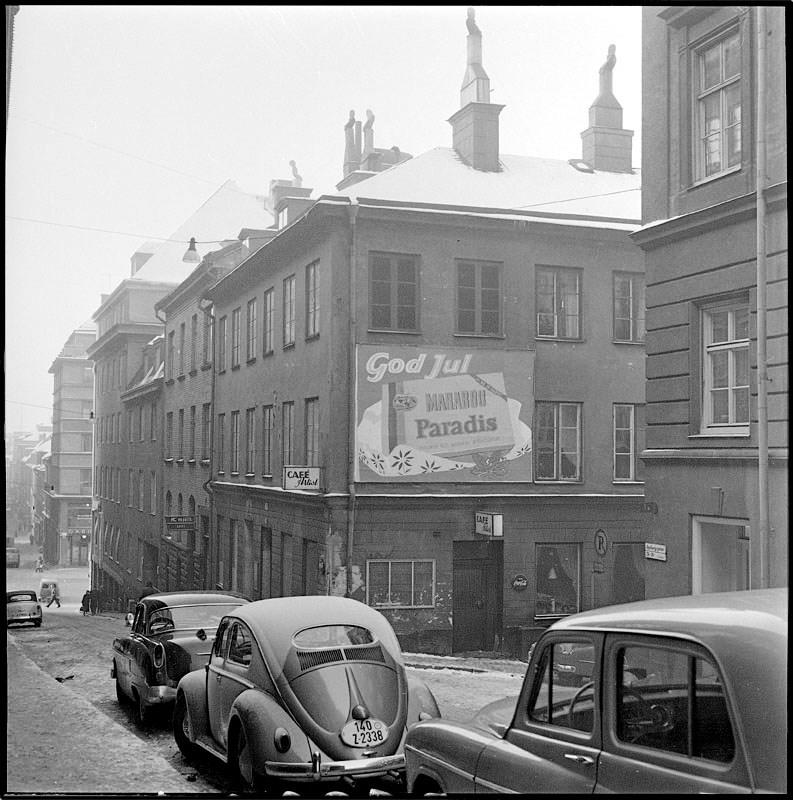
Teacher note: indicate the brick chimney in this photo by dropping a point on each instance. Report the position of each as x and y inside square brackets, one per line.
[288, 198]
[475, 125]
[607, 146]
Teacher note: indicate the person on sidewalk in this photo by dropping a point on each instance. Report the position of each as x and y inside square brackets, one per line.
[85, 604]
[55, 597]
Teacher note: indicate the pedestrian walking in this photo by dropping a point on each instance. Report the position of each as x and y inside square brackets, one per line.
[55, 597]
[85, 605]
[40, 564]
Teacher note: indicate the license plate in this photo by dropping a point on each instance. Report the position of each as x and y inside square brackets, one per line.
[364, 732]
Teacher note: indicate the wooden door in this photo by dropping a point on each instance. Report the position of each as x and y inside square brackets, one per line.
[477, 575]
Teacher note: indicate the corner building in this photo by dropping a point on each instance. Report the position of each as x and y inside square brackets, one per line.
[429, 386]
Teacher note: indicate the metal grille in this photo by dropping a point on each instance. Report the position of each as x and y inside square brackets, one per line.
[364, 653]
[313, 658]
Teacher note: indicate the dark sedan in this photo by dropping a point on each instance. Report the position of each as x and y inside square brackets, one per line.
[171, 634]
[682, 695]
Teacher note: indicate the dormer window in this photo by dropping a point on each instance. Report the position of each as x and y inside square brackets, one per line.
[282, 217]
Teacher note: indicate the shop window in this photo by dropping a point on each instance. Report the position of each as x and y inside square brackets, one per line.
[558, 579]
[402, 583]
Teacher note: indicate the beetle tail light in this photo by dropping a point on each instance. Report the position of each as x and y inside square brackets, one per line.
[158, 656]
[282, 740]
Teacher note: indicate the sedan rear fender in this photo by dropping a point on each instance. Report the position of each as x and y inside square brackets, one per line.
[264, 720]
[193, 687]
[421, 702]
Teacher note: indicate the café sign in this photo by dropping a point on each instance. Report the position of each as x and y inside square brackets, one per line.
[489, 524]
[306, 478]
[180, 523]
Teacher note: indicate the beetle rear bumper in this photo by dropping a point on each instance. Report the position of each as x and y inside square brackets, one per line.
[333, 770]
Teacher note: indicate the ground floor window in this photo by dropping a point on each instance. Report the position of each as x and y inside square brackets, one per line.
[558, 579]
[401, 583]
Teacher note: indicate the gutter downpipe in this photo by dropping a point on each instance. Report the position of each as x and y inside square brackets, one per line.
[351, 354]
[762, 302]
[210, 492]
[160, 467]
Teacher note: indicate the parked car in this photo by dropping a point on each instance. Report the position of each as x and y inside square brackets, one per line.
[171, 634]
[12, 557]
[22, 606]
[687, 695]
[303, 691]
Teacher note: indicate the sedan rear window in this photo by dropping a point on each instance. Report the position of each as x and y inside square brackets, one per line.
[673, 700]
[187, 617]
[21, 597]
[333, 636]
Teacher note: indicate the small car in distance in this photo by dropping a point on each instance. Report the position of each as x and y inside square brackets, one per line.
[22, 606]
[12, 557]
[685, 695]
[305, 692]
[170, 634]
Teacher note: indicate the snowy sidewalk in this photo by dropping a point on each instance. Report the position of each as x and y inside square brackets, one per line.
[469, 662]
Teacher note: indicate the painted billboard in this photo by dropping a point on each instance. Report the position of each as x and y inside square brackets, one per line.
[447, 414]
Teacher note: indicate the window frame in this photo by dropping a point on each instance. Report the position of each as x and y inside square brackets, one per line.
[251, 330]
[289, 311]
[632, 453]
[557, 407]
[222, 343]
[250, 441]
[287, 432]
[268, 426]
[268, 321]
[575, 579]
[234, 443]
[636, 320]
[236, 321]
[559, 307]
[312, 300]
[479, 293]
[413, 591]
[394, 283]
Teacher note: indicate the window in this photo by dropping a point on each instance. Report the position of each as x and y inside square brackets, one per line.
[558, 579]
[85, 443]
[628, 307]
[130, 488]
[153, 493]
[624, 442]
[267, 439]
[558, 295]
[180, 434]
[250, 330]
[140, 422]
[240, 646]
[718, 132]
[269, 312]
[141, 490]
[558, 441]
[181, 348]
[170, 365]
[205, 412]
[312, 432]
[222, 343]
[235, 338]
[289, 311]
[287, 433]
[312, 300]
[725, 380]
[153, 421]
[565, 664]
[193, 341]
[673, 699]
[250, 447]
[235, 442]
[479, 297]
[221, 442]
[393, 292]
[169, 435]
[400, 584]
[130, 432]
[191, 435]
[207, 340]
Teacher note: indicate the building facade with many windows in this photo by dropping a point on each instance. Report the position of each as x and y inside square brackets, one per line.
[69, 479]
[429, 387]
[715, 239]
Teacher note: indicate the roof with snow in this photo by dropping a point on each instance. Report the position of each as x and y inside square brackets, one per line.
[524, 185]
[216, 223]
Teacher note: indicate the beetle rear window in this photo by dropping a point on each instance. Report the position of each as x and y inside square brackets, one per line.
[333, 636]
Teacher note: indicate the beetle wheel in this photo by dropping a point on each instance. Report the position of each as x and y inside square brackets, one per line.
[249, 780]
[182, 728]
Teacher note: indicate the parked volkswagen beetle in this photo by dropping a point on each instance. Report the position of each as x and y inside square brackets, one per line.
[684, 695]
[303, 690]
[171, 633]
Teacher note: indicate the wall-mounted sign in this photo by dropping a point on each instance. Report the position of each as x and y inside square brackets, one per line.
[180, 523]
[520, 582]
[601, 542]
[656, 552]
[439, 414]
[489, 524]
[306, 478]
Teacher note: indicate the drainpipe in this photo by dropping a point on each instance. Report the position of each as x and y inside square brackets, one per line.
[351, 423]
[208, 482]
[762, 331]
[160, 467]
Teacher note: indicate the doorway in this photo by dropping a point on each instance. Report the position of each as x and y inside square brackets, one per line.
[477, 594]
[720, 555]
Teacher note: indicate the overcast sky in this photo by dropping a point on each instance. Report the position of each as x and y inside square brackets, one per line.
[123, 120]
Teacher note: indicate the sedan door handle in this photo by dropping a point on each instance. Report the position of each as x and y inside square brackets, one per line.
[579, 759]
